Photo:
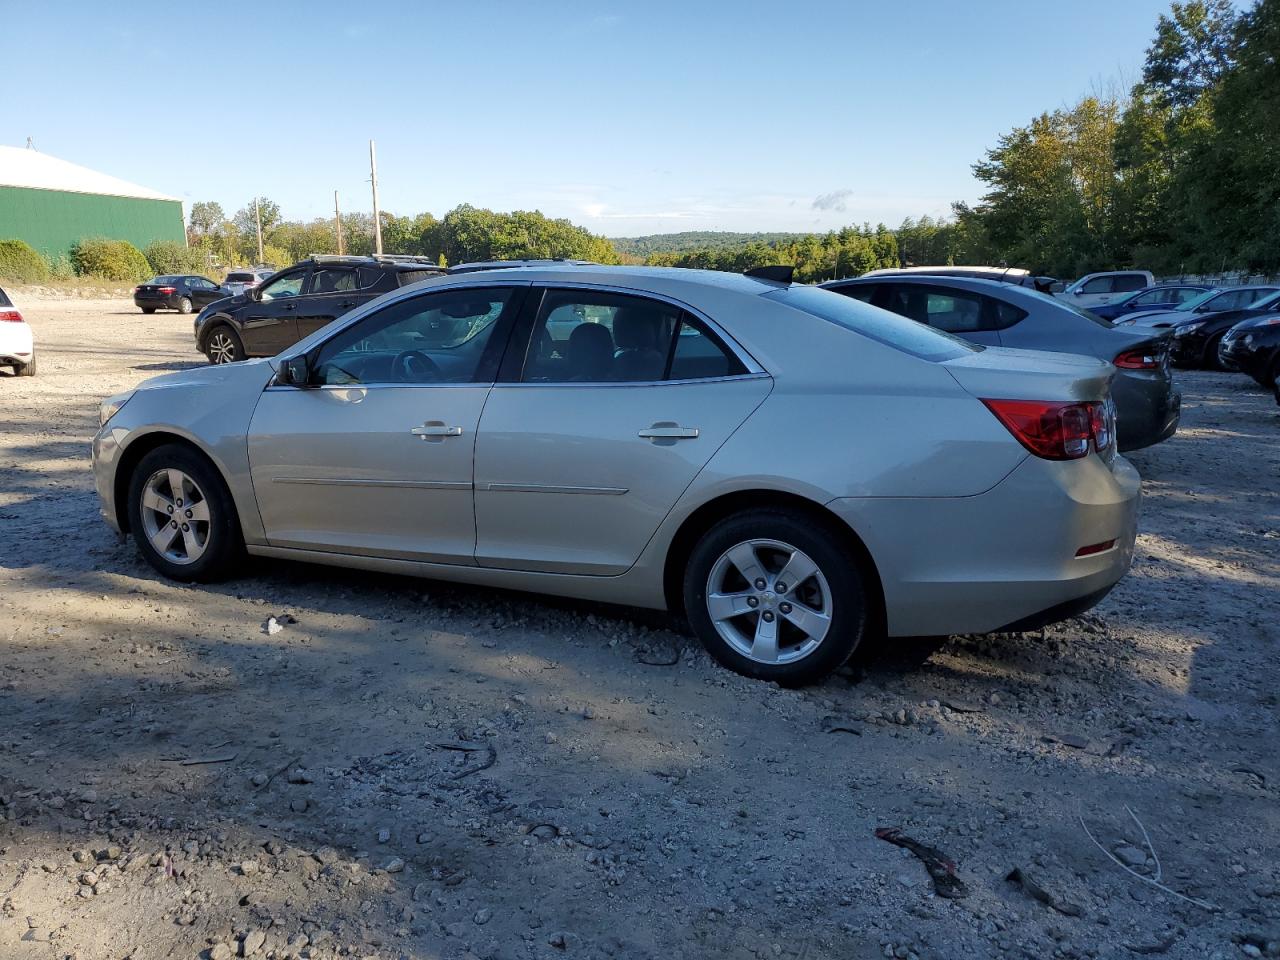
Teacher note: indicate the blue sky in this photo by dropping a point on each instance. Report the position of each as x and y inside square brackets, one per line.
[628, 118]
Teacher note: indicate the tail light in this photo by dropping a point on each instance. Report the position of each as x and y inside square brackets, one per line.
[1143, 358]
[167, 290]
[1055, 430]
[11, 315]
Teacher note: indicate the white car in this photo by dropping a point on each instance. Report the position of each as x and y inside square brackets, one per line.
[1095, 288]
[17, 348]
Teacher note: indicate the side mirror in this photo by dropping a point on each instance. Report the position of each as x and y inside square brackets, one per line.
[296, 372]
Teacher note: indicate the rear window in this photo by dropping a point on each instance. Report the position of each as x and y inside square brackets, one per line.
[4, 300]
[241, 278]
[872, 322]
[168, 280]
[413, 276]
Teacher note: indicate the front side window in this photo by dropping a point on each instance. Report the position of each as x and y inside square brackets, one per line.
[290, 285]
[1098, 285]
[582, 336]
[445, 337]
[333, 280]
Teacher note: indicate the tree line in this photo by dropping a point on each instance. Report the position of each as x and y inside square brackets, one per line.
[1181, 174]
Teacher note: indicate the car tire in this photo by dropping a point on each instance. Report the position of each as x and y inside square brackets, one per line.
[148, 309]
[223, 345]
[27, 369]
[1211, 361]
[208, 545]
[185, 305]
[760, 626]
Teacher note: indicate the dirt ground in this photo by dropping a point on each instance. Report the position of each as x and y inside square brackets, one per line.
[412, 769]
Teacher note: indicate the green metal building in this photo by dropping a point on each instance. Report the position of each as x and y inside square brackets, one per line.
[53, 204]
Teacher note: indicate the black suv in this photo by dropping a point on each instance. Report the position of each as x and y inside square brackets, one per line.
[298, 301]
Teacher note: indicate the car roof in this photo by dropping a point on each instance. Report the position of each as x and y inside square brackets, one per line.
[976, 284]
[951, 271]
[668, 280]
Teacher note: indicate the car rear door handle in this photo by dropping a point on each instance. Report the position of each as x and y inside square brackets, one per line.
[434, 431]
[669, 430]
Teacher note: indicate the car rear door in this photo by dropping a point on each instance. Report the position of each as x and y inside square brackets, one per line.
[203, 292]
[331, 292]
[375, 458]
[269, 320]
[599, 424]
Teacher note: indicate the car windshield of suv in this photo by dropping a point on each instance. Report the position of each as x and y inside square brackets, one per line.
[882, 326]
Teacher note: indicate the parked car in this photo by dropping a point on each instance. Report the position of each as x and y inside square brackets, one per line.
[1098, 288]
[181, 292]
[1253, 347]
[17, 346]
[997, 314]
[242, 281]
[296, 302]
[1195, 341]
[1015, 275]
[765, 457]
[1214, 301]
[1166, 296]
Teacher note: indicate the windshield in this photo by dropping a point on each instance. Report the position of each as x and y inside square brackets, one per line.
[882, 326]
[1196, 301]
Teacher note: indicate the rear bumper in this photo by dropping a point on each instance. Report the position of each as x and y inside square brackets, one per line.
[16, 343]
[1005, 557]
[156, 302]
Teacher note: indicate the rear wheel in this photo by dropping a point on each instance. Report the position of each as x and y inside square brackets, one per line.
[773, 595]
[184, 305]
[223, 346]
[148, 309]
[27, 369]
[182, 516]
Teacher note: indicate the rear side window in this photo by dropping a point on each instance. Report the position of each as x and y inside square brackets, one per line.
[4, 300]
[1128, 282]
[879, 325]
[862, 291]
[590, 336]
[333, 280]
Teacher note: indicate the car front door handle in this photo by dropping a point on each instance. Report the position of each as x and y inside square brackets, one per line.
[291, 306]
[434, 431]
[669, 430]
[347, 304]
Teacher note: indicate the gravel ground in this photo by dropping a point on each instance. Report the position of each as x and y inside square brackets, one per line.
[402, 768]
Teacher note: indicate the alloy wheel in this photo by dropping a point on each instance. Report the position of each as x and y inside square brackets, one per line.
[222, 349]
[769, 601]
[175, 516]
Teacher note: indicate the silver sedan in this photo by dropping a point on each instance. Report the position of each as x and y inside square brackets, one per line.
[792, 470]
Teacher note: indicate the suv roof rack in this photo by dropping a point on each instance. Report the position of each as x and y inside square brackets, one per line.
[376, 257]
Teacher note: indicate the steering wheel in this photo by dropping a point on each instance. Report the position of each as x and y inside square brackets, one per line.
[414, 366]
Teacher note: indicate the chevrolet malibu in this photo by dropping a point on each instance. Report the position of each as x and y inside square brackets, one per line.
[792, 470]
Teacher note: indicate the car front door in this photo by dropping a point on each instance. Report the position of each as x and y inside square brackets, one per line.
[331, 292]
[614, 405]
[203, 291]
[270, 321]
[1095, 290]
[374, 457]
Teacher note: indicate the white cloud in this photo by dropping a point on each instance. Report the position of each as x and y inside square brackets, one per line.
[836, 201]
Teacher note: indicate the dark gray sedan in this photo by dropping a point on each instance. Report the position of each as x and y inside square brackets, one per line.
[1002, 315]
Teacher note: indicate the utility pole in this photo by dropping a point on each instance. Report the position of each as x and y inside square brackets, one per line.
[257, 216]
[337, 221]
[373, 176]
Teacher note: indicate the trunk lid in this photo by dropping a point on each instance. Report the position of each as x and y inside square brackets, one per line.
[1006, 374]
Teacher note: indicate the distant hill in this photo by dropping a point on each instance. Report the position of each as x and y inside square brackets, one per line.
[695, 240]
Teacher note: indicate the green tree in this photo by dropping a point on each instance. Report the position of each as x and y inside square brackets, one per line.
[1195, 46]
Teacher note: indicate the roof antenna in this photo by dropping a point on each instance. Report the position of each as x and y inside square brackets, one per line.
[31, 144]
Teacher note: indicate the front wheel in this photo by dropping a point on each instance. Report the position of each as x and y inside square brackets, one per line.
[182, 516]
[773, 595]
[1211, 361]
[223, 346]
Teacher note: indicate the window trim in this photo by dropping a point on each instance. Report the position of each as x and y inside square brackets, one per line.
[516, 357]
